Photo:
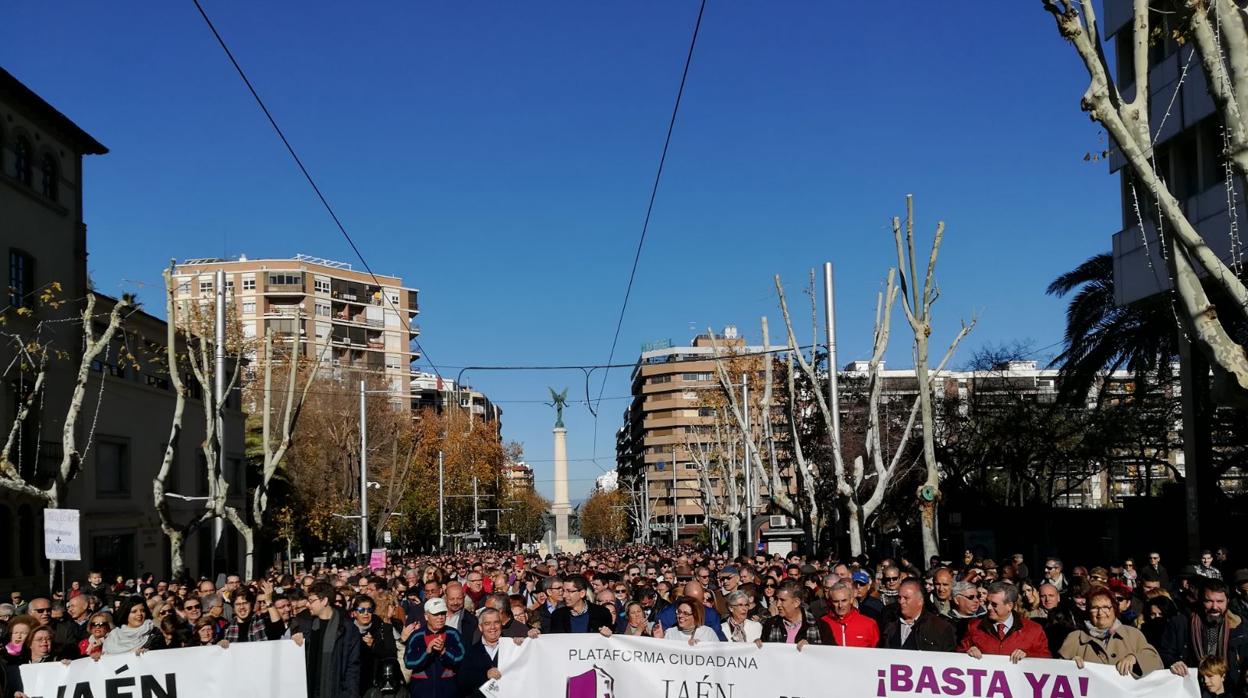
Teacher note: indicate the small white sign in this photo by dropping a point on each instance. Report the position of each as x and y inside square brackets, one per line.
[385, 536]
[61, 539]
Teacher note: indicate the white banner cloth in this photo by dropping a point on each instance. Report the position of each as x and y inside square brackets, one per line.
[591, 666]
[245, 670]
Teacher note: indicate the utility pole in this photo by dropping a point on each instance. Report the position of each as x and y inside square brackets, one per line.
[829, 317]
[675, 470]
[218, 404]
[645, 503]
[749, 479]
[441, 505]
[476, 521]
[364, 551]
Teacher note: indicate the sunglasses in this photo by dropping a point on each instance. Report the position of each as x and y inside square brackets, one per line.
[191, 607]
[363, 609]
[890, 580]
[41, 610]
[166, 613]
[99, 624]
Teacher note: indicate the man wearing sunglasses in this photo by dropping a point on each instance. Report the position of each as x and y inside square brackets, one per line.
[377, 638]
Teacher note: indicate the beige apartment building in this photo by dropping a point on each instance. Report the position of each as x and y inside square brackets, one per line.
[352, 321]
[674, 388]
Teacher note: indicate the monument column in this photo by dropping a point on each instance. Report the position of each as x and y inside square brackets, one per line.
[561, 508]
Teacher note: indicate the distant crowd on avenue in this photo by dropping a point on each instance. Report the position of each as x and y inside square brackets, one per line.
[431, 626]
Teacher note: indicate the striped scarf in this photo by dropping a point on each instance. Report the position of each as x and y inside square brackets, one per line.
[1221, 637]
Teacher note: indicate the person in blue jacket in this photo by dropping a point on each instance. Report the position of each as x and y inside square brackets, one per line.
[434, 654]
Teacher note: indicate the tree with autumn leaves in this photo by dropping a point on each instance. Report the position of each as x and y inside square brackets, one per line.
[322, 473]
[604, 518]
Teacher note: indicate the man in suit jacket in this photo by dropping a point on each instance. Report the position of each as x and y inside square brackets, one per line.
[913, 627]
[458, 617]
[481, 661]
[578, 615]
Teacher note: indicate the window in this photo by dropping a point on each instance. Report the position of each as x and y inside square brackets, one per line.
[322, 309]
[229, 287]
[112, 468]
[49, 180]
[249, 283]
[697, 376]
[205, 288]
[280, 279]
[22, 168]
[320, 284]
[21, 278]
[113, 554]
[249, 307]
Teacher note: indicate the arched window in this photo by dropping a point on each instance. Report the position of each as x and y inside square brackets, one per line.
[21, 160]
[50, 180]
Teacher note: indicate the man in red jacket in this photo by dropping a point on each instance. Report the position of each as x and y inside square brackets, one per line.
[1004, 630]
[843, 625]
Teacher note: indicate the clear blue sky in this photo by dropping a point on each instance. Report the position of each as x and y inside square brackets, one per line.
[498, 156]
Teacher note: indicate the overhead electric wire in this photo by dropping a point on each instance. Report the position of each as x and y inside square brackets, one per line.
[307, 175]
[654, 190]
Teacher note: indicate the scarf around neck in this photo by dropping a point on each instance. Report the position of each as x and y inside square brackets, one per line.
[124, 638]
[1100, 634]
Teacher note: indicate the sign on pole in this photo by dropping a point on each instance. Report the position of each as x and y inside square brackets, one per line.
[378, 559]
[61, 540]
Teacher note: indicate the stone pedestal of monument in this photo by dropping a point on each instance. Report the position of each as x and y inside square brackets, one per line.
[561, 509]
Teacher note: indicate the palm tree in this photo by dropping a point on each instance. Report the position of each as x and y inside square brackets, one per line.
[1102, 337]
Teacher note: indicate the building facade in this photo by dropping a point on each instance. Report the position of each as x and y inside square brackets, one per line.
[671, 416]
[517, 476]
[124, 422]
[351, 321]
[432, 392]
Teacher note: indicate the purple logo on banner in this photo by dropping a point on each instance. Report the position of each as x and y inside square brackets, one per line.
[594, 683]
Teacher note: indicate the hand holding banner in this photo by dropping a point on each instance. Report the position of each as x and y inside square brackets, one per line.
[633, 667]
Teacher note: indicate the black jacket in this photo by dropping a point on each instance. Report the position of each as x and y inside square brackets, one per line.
[468, 627]
[931, 633]
[66, 636]
[599, 617]
[371, 657]
[1176, 646]
[345, 659]
[472, 672]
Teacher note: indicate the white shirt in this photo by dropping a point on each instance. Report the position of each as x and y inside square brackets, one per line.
[491, 650]
[453, 619]
[701, 633]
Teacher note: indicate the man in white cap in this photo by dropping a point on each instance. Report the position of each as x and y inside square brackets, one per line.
[433, 654]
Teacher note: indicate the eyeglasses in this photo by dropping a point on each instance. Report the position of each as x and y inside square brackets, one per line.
[46, 609]
[191, 607]
[99, 624]
[166, 612]
[572, 590]
[890, 580]
[683, 612]
[970, 597]
[1051, 567]
[363, 609]
[1103, 609]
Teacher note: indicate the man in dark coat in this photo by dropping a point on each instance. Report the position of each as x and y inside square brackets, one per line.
[578, 615]
[915, 628]
[481, 660]
[1209, 631]
[331, 648]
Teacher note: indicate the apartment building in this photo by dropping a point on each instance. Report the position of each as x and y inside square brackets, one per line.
[674, 391]
[123, 426]
[430, 391]
[353, 322]
[517, 476]
[998, 387]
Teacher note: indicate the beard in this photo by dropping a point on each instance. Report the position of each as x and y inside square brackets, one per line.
[1214, 617]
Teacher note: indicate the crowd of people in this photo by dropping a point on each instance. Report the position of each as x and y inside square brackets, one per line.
[432, 625]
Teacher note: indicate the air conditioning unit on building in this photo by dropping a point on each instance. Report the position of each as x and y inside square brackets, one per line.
[778, 521]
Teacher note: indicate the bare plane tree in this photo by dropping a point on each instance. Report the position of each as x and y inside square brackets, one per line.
[1219, 33]
[35, 354]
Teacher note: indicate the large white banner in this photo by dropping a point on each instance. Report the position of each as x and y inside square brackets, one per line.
[591, 666]
[245, 670]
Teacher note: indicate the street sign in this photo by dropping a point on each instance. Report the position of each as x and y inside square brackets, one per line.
[385, 536]
[61, 538]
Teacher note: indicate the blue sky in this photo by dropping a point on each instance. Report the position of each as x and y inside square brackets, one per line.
[498, 156]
